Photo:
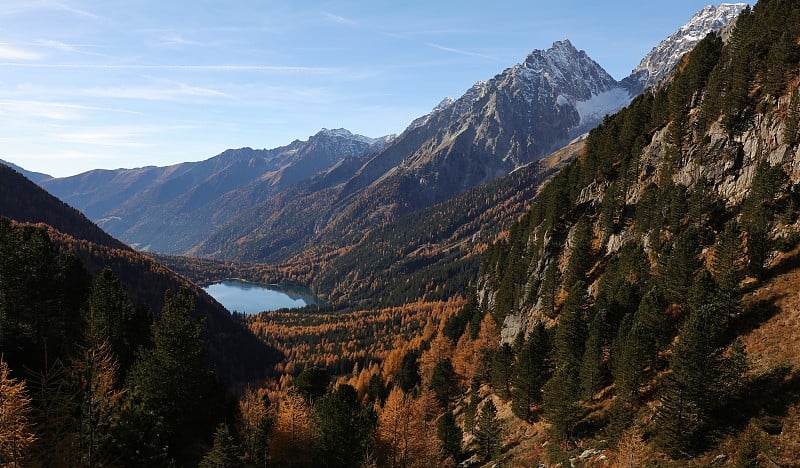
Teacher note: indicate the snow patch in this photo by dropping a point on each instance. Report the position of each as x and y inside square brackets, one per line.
[605, 103]
[561, 100]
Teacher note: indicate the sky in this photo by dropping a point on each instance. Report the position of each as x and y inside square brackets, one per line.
[88, 84]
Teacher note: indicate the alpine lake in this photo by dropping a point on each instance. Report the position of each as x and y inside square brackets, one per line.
[253, 298]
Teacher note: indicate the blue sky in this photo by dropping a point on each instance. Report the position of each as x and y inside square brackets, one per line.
[126, 83]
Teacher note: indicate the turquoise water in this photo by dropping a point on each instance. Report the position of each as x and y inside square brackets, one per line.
[251, 298]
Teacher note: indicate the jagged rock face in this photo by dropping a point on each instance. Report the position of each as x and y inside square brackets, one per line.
[664, 57]
[170, 209]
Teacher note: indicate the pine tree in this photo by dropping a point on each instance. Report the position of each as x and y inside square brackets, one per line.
[444, 382]
[224, 453]
[635, 349]
[531, 372]
[562, 391]
[344, 427]
[111, 318]
[171, 379]
[16, 431]
[580, 260]
[679, 265]
[694, 388]
[502, 368]
[726, 265]
[488, 432]
[450, 435]
[312, 383]
[592, 369]
[549, 290]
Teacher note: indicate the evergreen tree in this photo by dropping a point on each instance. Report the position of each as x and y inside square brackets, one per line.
[488, 432]
[171, 379]
[592, 368]
[531, 372]
[344, 427]
[444, 382]
[726, 265]
[580, 260]
[679, 265]
[450, 435]
[409, 371]
[699, 383]
[312, 383]
[549, 289]
[502, 367]
[647, 333]
[224, 453]
[111, 317]
[562, 391]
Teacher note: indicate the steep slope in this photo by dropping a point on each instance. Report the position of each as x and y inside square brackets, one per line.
[659, 261]
[145, 280]
[170, 209]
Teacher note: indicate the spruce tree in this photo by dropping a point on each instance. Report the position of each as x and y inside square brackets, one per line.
[531, 372]
[580, 260]
[502, 368]
[725, 268]
[171, 380]
[695, 386]
[224, 453]
[450, 435]
[592, 369]
[679, 265]
[562, 391]
[488, 432]
[444, 382]
[345, 427]
[111, 317]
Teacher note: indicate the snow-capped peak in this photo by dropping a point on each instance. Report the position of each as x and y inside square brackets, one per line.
[657, 65]
[343, 133]
[566, 69]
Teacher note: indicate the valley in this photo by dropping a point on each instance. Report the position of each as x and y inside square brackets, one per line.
[557, 268]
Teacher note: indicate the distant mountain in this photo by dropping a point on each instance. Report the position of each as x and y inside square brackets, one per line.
[144, 279]
[664, 57]
[36, 177]
[220, 209]
[170, 209]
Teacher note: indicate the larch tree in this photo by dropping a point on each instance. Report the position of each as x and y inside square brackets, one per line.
[95, 403]
[394, 428]
[254, 426]
[16, 430]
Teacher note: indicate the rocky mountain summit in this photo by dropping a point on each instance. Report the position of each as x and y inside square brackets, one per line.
[660, 62]
[171, 208]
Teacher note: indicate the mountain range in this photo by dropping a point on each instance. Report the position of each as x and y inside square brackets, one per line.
[325, 193]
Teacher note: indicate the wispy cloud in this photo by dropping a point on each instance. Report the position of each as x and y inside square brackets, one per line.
[9, 52]
[116, 137]
[457, 51]
[339, 19]
[155, 93]
[173, 39]
[11, 8]
[52, 110]
[210, 68]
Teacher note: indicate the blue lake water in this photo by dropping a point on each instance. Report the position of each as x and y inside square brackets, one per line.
[252, 298]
